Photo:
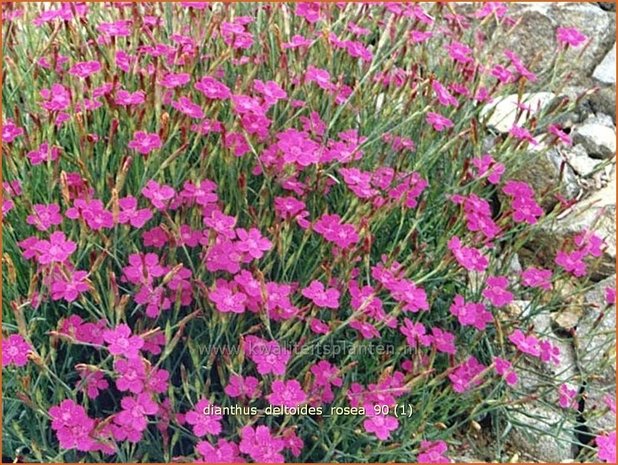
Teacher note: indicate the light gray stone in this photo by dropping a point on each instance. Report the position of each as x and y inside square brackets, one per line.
[605, 72]
[503, 113]
[579, 160]
[598, 140]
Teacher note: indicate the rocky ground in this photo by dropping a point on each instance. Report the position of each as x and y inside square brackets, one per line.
[586, 171]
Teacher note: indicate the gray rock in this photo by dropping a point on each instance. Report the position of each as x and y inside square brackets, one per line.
[549, 174]
[598, 140]
[597, 213]
[601, 119]
[596, 412]
[596, 333]
[504, 113]
[607, 6]
[535, 38]
[604, 101]
[543, 433]
[605, 72]
[579, 160]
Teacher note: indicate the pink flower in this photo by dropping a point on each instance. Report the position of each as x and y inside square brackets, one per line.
[43, 154]
[589, 243]
[549, 352]
[560, 134]
[567, 397]
[213, 89]
[201, 422]
[496, 292]
[91, 382]
[10, 131]
[471, 314]
[56, 98]
[610, 295]
[606, 444]
[525, 208]
[226, 300]
[432, 452]
[135, 411]
[242, 387]
[224, 452]
[269, 356]
[465, 376]
[439, 122]
[69, 287]
[126, 98]
[252, 242]
[145, 142]
[15, 351]
[536, 277]
[160, 195]
[132, 375]
[325, 298]
[444, 96]
[459, 52]
[526, 344]
[56, 250]
[320, 76]
[172, 80]
[311, 11]
[121, 342]
[45, 216]
[72, 425]
[129, 213]
[486, 165]
[331, 228]
[85, 68]
[120, 28]
[570, 36]
[572, 262]
[287, 394]
[380, 425]
[260, 445]
[504, 369]
[143, 268]
[415, 333]
[522, 134]
[298, 148]
[443, 341]
[271, 91]
[468, 257]
[189, 108]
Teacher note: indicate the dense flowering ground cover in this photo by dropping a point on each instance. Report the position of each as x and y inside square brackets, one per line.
[286, 205]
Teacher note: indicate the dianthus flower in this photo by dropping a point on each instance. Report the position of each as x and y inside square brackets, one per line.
[72, 425]
[505, 369]
[226, 299]
[536, 277]
[526, 344]
[496, 292]
[159, 195]
[380, 425]
[438, 122]
[433, 452]
[287, 394]
[260, 444]
[570, 36]
[471, 313]
[121, 342]
[269, 356]
[468, 257]
[56, 250]
[331, 228]
[202, 423]
[145, 142]
[242, 387]
[325, 298]
[15, 351]
[85, 68]
[213, 89]
[465, 376]
[224, 452]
